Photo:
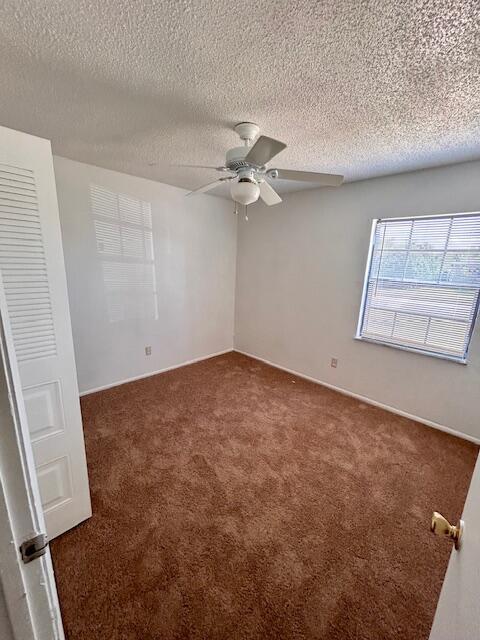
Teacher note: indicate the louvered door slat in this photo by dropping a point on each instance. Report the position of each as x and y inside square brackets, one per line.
[18, 202]
[17, 171]
[23, 266]
[18, 215]
[16, 178]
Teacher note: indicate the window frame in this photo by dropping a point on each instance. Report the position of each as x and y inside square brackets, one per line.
[361, 315]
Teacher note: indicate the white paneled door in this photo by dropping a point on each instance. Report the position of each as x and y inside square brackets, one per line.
[458, 611]
[33, 279]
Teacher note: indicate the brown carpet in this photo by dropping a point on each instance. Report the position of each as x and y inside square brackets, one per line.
[232, 500]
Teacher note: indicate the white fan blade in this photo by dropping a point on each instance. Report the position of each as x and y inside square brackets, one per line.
[264, 150]
[207, 187]
[268, 194]
[200, 166]
[322, 179]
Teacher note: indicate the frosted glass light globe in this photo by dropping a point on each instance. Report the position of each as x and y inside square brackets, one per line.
[245, 191]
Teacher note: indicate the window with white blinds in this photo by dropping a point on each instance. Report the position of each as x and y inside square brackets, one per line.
[422, 284]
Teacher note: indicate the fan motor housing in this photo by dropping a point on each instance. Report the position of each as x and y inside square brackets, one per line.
[235, 159]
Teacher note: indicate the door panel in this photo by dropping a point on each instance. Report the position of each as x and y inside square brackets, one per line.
[33, 275]
[44, 407]
[54, 483]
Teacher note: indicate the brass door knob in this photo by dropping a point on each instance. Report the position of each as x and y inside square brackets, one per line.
[441, 527]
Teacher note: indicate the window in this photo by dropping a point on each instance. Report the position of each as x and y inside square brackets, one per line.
[422, 284]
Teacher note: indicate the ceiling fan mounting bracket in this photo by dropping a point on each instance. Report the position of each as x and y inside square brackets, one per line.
[247, 131]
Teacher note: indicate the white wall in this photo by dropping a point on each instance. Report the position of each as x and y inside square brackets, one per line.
[5, 627]
[300, 270]
[194, 242]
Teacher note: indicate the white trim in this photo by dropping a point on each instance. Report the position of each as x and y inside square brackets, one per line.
[433, 215]
[363, 301]
[154, 373]
[375, 403]
[422, 352]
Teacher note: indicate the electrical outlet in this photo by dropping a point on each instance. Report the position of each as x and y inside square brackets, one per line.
[333, 363]
[148, 351]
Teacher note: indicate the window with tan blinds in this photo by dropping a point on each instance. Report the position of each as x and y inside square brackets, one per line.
[422, 284]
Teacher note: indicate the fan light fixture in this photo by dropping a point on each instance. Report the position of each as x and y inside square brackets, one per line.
[245, 191]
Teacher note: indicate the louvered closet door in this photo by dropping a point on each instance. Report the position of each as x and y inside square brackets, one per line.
[33, 277]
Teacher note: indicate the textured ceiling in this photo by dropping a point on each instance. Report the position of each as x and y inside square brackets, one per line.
[360, 87]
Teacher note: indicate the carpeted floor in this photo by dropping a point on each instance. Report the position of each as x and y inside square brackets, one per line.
[232, 501]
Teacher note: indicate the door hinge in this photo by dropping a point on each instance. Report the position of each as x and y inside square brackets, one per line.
[34, 547]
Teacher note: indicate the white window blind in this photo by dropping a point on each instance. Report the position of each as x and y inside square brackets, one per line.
[422, 284]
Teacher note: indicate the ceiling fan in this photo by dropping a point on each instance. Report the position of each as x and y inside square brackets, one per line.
[247, 164]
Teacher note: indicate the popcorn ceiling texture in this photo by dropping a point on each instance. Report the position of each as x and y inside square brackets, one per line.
[363, 88]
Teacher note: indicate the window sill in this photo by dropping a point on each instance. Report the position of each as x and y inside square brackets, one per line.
[421, 352]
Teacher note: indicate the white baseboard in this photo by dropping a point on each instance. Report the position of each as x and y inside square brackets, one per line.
[153, 373]
[375, 403]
